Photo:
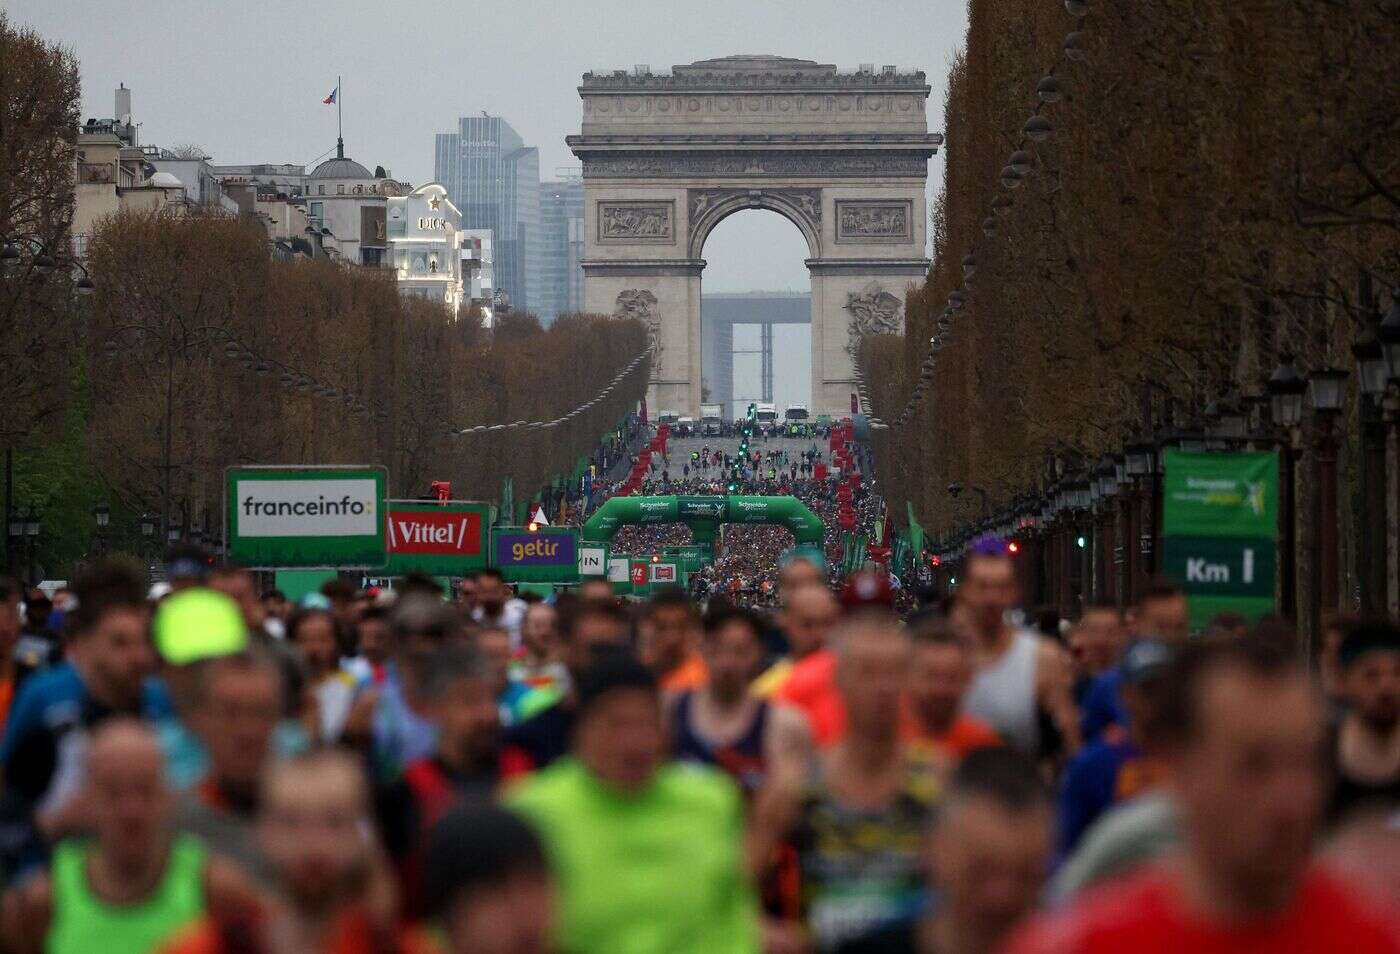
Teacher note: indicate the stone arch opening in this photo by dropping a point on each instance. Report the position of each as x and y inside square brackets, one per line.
[756, 313]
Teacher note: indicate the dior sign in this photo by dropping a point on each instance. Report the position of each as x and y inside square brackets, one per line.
[863, 221]
[632, 223]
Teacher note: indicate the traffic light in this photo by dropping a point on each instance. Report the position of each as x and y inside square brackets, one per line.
[533, 527]
[1013, 547]
[936, 560]
[655, 558]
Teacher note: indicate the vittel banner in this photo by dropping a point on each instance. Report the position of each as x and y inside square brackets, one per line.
[439, 532]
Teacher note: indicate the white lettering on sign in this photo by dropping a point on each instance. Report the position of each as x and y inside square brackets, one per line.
[590, 561]
[1199, 571]
[321, 507]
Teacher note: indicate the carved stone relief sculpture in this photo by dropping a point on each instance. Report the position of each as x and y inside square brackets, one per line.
[873, 221]
[873, 311]
[639, 303]
[634, 222]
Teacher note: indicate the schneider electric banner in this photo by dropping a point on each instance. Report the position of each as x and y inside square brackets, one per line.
[1219, 529]
[306, 517]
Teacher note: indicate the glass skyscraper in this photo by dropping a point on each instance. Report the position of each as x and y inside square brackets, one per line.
[561, 222]
[494, 179]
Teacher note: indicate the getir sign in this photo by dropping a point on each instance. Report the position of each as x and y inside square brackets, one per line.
[549, 555]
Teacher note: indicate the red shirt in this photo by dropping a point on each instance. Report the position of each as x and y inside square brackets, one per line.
[1146, 914]
[811, 687]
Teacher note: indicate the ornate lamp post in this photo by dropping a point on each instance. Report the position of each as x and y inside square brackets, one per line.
[1286, 391]
[102, 517]
[1327, 397]
[1373, 377]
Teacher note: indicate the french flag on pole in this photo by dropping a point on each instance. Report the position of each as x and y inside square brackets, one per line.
[330, 100]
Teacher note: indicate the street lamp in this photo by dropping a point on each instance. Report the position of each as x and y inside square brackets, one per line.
[1140, 458]
[1286, 393]
[1370, 363]
[32, 524]
[1327, 390]
[1389, 332]
[148, 525]
[102, 513]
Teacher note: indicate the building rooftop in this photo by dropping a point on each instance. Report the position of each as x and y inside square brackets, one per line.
[341, 167]
[755, 71]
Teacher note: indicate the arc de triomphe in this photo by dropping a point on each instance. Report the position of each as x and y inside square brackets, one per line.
[844, 156]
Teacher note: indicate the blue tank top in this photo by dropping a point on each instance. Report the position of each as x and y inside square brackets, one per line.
[742, 759]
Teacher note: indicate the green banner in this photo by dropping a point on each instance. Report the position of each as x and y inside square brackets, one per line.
[1219, 531]
[703, 513]
[1220, 495]
[306, 517]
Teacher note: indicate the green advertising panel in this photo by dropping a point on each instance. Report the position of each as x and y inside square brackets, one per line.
[1219, 530]
[1214, 494]
[546, 555]
[306, 517]
[437, 537]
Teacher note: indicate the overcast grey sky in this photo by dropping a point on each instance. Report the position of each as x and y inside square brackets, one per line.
[245, 79]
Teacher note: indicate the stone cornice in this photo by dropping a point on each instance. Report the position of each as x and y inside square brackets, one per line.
[901, 266]
[624, 83]
[629, 142]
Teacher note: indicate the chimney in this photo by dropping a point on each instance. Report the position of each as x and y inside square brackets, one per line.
[123, 113]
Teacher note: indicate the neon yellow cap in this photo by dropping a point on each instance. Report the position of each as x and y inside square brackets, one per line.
[197, 624]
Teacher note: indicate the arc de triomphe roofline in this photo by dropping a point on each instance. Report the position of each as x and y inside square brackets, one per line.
[667, 157]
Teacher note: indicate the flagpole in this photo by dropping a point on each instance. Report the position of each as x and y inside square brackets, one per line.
[339, 120]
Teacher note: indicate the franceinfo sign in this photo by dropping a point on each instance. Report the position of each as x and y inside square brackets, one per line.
[332, 517]
[307, 508]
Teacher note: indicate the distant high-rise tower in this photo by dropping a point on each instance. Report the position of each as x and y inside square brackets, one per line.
[494, 179]
[561, 221]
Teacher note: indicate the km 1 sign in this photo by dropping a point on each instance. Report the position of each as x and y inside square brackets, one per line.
[445, 538]
[305, 517]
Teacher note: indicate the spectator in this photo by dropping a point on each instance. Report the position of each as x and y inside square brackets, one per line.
[648, 852]
[986, 856]
[1251, 789]
[108, 673]
[1365, 747]
[133, 884]
[336, 895]
[669, 638]
[488, 883]
[940, 673]
[1020, 679]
